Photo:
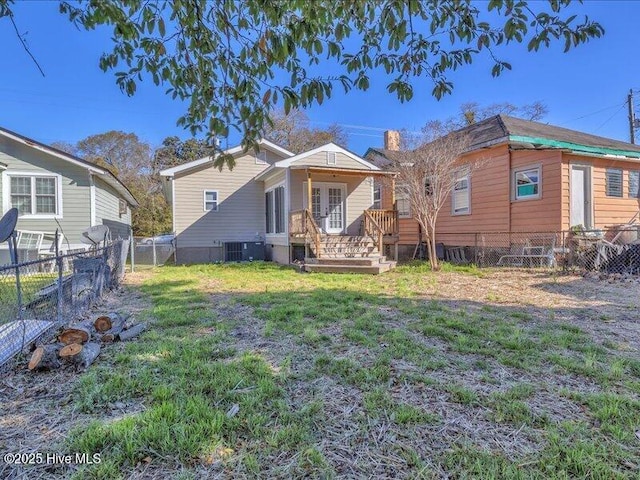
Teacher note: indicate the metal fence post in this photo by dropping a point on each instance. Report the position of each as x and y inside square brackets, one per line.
[59, 266]
[475, 249]
[155, 259]
[133, 250]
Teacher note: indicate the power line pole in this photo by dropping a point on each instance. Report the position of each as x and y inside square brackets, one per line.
[632, 118]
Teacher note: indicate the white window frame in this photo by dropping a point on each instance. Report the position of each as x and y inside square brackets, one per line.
[6, 194]
[458, 177]
[606, 182]
[273, 212]
[332, 158]
[261, 158]
[631, 193]
[514, 183]
[204, 201]
[376, 204]
[402, 195]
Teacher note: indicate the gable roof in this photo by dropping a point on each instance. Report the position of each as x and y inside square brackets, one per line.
[530, 135]
[170, 172]
[105, 174]
[329, 147]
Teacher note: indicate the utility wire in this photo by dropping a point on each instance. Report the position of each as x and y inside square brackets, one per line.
[611, 117]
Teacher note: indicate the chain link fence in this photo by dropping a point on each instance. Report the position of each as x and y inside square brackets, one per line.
[38, 296]
[614, 250]
[148, 252]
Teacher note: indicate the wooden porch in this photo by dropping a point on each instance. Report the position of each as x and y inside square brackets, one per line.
[362, 253]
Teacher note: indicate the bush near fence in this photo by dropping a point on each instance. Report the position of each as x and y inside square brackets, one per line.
[39, 296]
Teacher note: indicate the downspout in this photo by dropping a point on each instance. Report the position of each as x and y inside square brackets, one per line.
[92, 200]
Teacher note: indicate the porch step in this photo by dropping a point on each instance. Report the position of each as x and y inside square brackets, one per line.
[371, 265]
[347, 246]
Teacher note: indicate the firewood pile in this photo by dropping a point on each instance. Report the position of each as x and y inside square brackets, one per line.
[79, 345]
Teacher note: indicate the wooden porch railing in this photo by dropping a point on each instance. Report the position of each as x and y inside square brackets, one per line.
[386, 219]
[301, 222]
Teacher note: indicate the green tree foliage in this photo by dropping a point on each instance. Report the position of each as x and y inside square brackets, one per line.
[176, 152]
[234, 61]
[292, 131]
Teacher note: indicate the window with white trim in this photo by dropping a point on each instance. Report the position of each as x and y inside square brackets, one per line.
[261, 157]
[634, 184]
[332, 158]
[614, 182]
[377, 196]
[403, 204]
[34, 195]
[275, 210]
[210, 200]
[526, 184]
[461, 194]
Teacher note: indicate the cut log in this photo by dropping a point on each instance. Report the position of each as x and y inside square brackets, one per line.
[71, 350]
[132, 332]
[45, 357]
[105, 322]
[112, 334]
[87, 356]
[80, 333]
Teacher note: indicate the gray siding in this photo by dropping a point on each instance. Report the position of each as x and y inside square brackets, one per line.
[75, 189]
[108, 210]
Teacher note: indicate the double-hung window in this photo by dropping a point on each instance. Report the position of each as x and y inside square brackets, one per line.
[526, 184]
[275, 210]
[210, 200]
[403, 204]
[35, 195]
[614, 182]
[377, 196]
[634, 184]
[461, 196]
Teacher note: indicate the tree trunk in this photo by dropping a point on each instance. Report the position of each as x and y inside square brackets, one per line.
[71, 350]
[80, 333]
[132, 332]
[45, 357]
[86, 356]
[112, 334]
[433, 254]
[105, 322]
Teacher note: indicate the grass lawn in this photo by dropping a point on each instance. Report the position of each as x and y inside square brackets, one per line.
[259, 371]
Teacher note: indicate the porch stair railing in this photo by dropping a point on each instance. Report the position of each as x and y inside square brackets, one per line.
[378, 223]
[373, 229]
[301, 222]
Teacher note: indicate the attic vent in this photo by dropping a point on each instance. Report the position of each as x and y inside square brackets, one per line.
[261, 158]
[332, 158]
[122, 207]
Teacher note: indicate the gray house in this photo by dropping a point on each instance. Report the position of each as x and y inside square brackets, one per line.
[54, 190]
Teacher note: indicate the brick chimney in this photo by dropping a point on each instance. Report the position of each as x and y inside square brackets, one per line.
[392, 140]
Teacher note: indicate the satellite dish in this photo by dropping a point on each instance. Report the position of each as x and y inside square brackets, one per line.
[8, 224]
[95, 235]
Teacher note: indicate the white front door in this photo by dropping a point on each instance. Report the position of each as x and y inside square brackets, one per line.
[328, 205]
[580, 209]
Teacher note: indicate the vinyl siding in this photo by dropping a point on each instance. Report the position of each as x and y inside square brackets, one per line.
[359, 195]
[543, 214]
[108, 210]
[320, 160]
[76, 214]
[608, 211]
[240, 215]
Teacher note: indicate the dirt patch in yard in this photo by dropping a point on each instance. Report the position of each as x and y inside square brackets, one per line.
[37, 409]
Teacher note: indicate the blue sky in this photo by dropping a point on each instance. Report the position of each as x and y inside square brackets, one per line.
[584, 89]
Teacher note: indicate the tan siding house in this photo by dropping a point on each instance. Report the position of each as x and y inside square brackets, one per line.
[57, 191]
[265, 201]
[534, 178]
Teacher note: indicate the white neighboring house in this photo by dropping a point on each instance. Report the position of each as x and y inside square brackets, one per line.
[55, 190]
[264, 199]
